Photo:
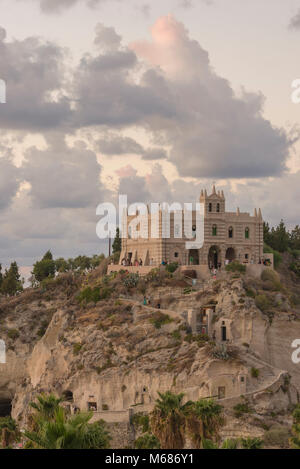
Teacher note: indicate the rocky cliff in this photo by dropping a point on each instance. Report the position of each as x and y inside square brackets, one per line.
[113, 354]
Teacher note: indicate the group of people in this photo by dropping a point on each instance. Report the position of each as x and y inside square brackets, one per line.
[265, 262]
[128, 262]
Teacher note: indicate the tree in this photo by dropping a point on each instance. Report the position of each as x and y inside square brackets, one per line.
[46, 406]
[1, 276]
[61, 265]
[9, 431]
[44, 268]
[53, 428]
[147, 441]
[281, 237]
[167, 420]
[295, 238]
[204, 418]
[69, 432]
[295, 440]
[267, 234]
[117, 244]
[11, 282]
[82, 263]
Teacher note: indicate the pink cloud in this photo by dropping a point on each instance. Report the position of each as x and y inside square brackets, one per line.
[172, 50]
[126, 172]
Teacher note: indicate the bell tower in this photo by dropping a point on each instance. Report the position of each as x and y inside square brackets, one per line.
[213, 203]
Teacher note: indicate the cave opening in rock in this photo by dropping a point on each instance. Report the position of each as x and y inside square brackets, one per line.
[5, 407]
[67, 396]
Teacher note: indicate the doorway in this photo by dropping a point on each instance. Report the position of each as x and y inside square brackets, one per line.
[223, 333]
[193, 257]
[5, 407]
[214, 257]
[230, 254]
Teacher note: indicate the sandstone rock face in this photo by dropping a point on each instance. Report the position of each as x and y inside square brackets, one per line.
[114, 357]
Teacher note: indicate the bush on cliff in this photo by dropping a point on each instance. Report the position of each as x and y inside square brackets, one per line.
[236, 266]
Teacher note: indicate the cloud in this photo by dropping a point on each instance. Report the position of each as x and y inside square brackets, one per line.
[144, 9]
[57, 6]
[107, 93]
[167, 87]
[277, 197]
[63, 177]
[213, 133]
[9, 180]
[119, 145]
[106, 38]
[295, 21]
[33, 70]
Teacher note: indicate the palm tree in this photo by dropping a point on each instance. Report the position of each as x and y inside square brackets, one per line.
[9, 431]
[46, 406]
[167, 420]
[74, 432]
[204, 419]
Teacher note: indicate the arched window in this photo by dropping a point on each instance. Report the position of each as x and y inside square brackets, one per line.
[218, 208]
[247, 233]
[230, 232]
[214, 230]
[210, 207]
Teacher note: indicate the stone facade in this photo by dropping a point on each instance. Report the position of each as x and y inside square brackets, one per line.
[227, 235]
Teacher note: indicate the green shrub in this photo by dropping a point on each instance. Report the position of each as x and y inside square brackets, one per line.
[140, 421]
[13, 334]
[171, 268]
[262, 302]
[252, 443]
[235, 266]
[295, 267]
[242, 408]
[147, 441]
[42, 330]
[250, 292]
[255, 372]
[276, 254]
[176, 335]
[278, 437]
[93, 295]
[76, 348]
[271, 277]
[131, 280]
[159, 319]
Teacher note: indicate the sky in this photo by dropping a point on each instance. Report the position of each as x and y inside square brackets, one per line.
[155, 100]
